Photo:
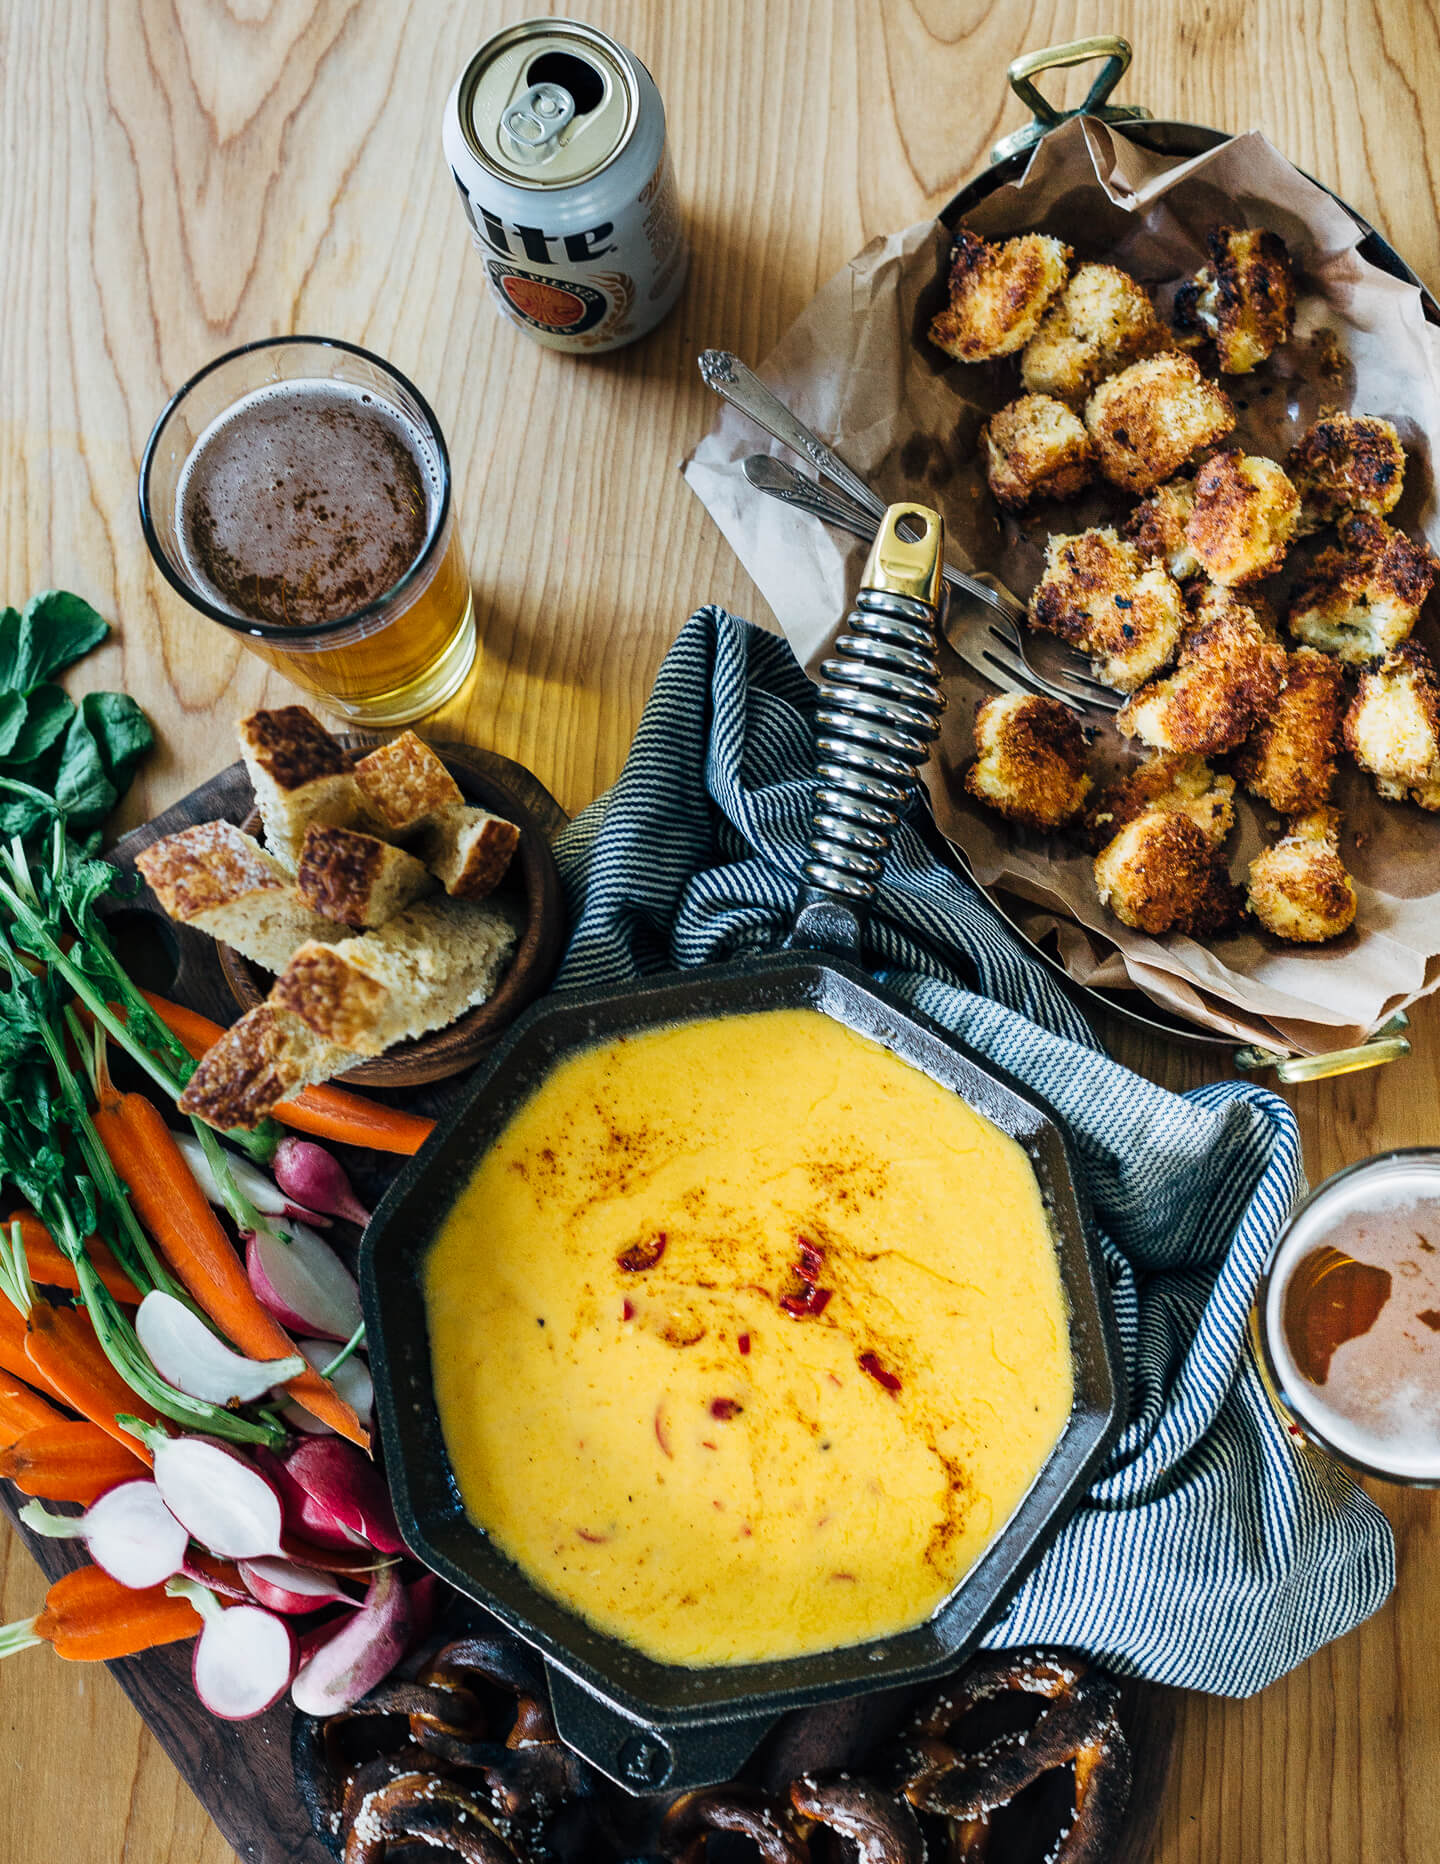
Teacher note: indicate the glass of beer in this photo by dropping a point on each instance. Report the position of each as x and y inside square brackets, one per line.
[297, 491]
[1346, 1321]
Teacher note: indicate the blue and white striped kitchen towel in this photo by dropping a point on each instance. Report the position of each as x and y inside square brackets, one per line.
[1210, 1552]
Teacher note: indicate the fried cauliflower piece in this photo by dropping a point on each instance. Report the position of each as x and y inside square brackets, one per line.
[1030, 763]
[1036, 447]
[1103, 320]
[1393, 727]
[1096, 594]
[1157, 528]
[1152, 417]
[1244, 517]
[1244, 298]
[1174, 784]
[998, 294]
[1289, 758]
[1228, 675]
[1299, 889]
[1362, 599]
[1347, 462]
[1160, 875]
[1206, 601]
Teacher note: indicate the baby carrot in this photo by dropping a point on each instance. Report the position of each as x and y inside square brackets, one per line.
[60, 1343]
[325, 1111]
[13, 1358]
[51, 1268]
[90, 1617]
[172, 1206]
[70, 1461]
[22, 1409]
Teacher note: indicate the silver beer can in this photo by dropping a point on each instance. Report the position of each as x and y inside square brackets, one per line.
[556, 138]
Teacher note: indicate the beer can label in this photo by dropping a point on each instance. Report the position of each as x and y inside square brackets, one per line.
[566, 310]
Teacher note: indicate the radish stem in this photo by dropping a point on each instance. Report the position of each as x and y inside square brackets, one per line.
[355, 1340]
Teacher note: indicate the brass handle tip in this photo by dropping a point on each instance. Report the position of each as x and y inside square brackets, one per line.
[908, 554]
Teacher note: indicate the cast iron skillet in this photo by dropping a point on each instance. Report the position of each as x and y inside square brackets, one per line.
[649, 1725]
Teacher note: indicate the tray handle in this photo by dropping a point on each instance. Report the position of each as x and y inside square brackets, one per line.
[1386, 1044]
[1044, 116]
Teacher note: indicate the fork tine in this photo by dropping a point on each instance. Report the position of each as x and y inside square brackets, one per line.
[998, 650]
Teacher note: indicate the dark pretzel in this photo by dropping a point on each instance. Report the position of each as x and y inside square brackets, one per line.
[465, 1732]
[743, 1810]
[880, 1826]
[325, 1757]
[1081, 1725]
[425, 1809]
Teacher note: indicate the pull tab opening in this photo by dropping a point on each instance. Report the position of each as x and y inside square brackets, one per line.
[532, 124]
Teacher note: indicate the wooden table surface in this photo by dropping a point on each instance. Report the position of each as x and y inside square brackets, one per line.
[184, 175]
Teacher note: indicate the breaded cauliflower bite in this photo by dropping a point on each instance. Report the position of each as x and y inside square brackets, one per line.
[1157, 528]
[1244, 517]
[1180, 785]
[1347, 462]
[1229, 674]
[1152, 417]
[1030, 763]
[1096, 594]
[1103, 320]
[1244, 298]
[1289, 758]
[1300, 889]
[1036, 447]
[1393, 727]
[1160, 870]
[1362, 599]
[998, 294]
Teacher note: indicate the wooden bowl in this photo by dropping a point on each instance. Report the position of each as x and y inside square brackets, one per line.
[533, 883]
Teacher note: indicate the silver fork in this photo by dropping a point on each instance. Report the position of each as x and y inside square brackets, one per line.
[988, 642]
[1001, 648]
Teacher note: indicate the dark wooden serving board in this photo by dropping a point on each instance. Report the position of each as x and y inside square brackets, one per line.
[241, 1771]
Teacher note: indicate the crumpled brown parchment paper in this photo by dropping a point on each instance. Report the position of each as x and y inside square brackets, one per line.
[857, 368]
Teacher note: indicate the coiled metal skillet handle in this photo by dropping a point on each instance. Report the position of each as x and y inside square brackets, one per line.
[879, 712]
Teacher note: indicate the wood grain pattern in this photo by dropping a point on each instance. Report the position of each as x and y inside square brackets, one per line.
[185, 174]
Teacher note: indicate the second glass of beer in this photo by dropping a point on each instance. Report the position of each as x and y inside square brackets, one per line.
[297, 491]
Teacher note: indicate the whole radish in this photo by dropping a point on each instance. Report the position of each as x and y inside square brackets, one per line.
[362, 1652]
[312, 1176]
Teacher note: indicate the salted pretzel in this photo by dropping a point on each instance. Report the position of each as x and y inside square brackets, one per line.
[1081, 1725]
[476, 1721]
[742, 1810]
[424, 1808]
[876, 1826]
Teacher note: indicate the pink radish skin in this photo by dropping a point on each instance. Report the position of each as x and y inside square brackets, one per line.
[362, 1652]
[188, 1356]
[205, 1575]
[129, 1531]
[281, 1586]
[352, 1381]
[310, 1175]
[305, 1520]
[303, 1283]
[245, 1659]
[224, 1501]
[271, 1200]
[346, 1489]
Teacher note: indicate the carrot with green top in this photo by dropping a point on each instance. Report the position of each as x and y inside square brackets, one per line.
[22, 1409]
[71, 1460]
[91, 1618]
[174, 1209]
[52, 1268]
[13, 1357]
[61, 1347]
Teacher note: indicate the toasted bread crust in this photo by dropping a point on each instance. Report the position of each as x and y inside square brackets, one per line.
[338, 871]
[998, 294]
[329, 995]
[479, 859]
[403, 782]
[206, 867]
[292, 746]
[259, 1061]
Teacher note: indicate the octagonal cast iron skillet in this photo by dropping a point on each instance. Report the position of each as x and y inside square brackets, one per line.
[645, 1724]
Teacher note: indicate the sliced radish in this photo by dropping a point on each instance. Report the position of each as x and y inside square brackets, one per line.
[305, 1520]
[362, 1652]
[303, 1282]
[221, 1498]
[314, 1177]
[188, 1356]
[344, 1490]
[269, 1198]
[351, 1380]
[281, 1586]
[129, 1531]
[245, 1660]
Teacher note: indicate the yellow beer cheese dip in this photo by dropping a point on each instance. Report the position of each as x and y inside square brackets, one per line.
[748, 1337]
